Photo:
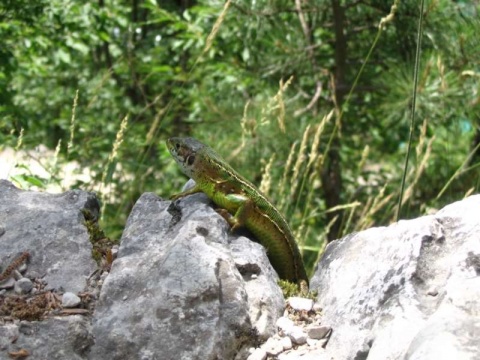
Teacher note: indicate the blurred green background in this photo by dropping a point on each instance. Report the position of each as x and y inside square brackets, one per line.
[268, 84]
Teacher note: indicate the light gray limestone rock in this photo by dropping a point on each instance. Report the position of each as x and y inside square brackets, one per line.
[182, 287]
[375, 288]
[51, 228]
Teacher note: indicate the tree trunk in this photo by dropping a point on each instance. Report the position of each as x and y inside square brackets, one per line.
[331, 174]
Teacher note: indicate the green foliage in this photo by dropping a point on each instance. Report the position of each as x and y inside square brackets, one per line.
[271, 75]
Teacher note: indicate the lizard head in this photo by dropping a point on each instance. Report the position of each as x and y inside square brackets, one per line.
[185, 151]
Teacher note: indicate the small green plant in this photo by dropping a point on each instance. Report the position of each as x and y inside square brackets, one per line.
[290, 289]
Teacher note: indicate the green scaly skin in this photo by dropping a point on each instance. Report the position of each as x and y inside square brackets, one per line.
[240, 198]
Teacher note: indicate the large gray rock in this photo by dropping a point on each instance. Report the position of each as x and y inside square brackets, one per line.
[407, 291]
[51, 227]
[182, 287]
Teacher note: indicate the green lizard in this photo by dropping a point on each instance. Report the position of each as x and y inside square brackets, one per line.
[246, 205]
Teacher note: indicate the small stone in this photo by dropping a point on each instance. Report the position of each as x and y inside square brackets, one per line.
[286, 343]
[22, 268]
[273, 346]
[285, 324]
[188, 185]
[17, 275]
[317, 307]
[7, 283]
[318, 331]
[2, 230]
[258, 354]
[432, 292]
[312, 342]
[114, 251]
[300, 304]
[298, 336]
[70, 300]
[23, 286]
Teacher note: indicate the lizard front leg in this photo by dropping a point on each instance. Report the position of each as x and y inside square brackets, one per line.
[245, 208]
[190, 191]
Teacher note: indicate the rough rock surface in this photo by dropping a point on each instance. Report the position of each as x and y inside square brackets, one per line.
[56, 338]
[51, 228]
[407, 291]
[183, 288]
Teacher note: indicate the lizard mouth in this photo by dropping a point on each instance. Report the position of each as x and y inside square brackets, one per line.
[180, 152]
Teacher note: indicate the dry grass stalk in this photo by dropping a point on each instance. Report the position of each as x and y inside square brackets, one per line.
[427, 149]
[281, 104]
[20, 139]
[216, 27]
[113, 155]
[266, 182]
[314, 154]
[300, 160]
[389, 18]
[365, 152]
[72, 123]
[286, 170]
[246, 125]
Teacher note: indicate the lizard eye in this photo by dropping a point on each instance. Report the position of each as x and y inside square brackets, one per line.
[191, 160]
[177, 146]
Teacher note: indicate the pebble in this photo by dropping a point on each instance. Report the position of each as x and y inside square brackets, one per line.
[273, 346]
[300, 334]
[188, 185]
[23, 286]
[432, 291]
[49, 288]
[300, 304]
[22, 268]
[7, 283]
[70, 300]
[17, 275]
[285, 324]
[312, 342]
[286, 343]
[114, 251]
[318, 331]
[297, 335]
[258, 354]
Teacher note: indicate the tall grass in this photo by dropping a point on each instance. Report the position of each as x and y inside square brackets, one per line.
[288, 158]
